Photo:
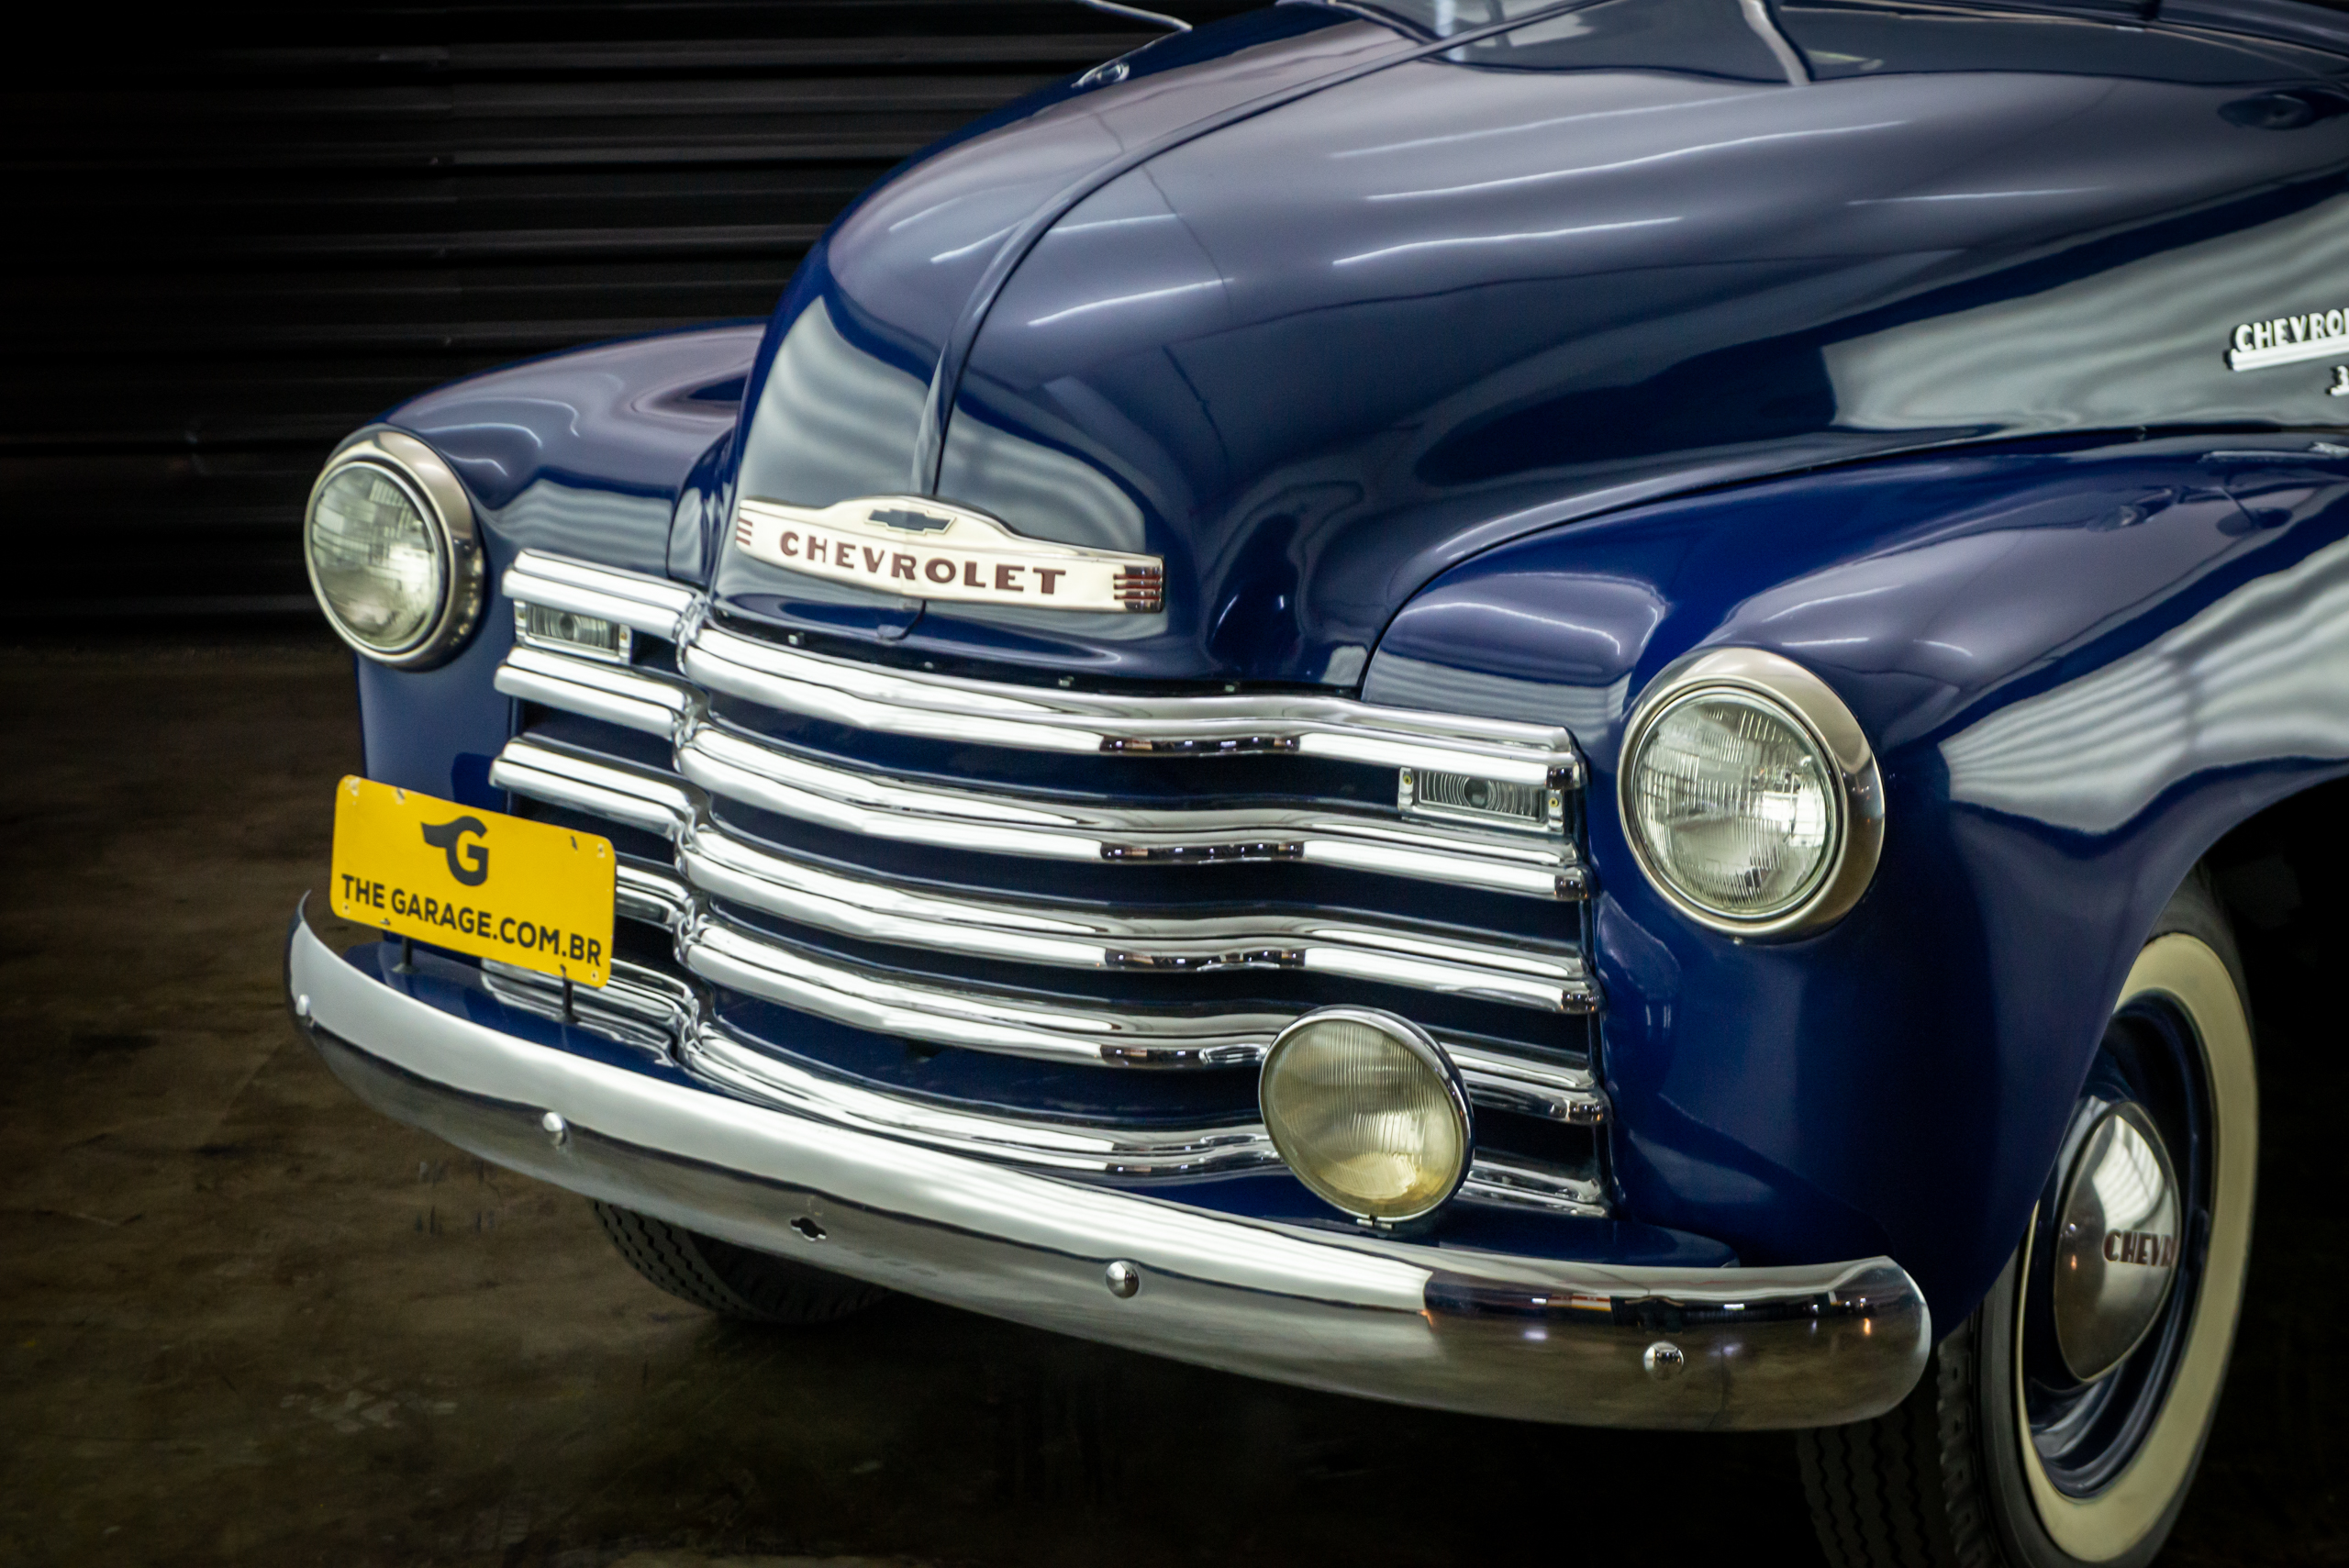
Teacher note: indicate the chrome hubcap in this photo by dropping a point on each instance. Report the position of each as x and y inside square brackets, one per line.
[2117, 1242]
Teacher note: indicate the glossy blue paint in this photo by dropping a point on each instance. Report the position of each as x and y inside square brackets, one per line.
[1634, 329]
[1319, 356]
[2079, 666]
[588, 453]
[436, 730]
[842, 396]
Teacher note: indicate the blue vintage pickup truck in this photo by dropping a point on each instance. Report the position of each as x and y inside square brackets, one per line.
[1516, 707]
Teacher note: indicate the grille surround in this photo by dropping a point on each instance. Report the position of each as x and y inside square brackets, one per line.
[713, 873]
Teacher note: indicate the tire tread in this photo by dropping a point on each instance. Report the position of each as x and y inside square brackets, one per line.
[733, 1282]
[1902, 1491]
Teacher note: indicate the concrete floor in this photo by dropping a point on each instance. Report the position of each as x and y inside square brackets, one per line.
[244, 1320]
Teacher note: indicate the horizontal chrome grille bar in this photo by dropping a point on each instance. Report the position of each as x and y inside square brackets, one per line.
[1522, 1184]
[729, 765]
[1111, 1148]
[633, 699]
[649, 1010]
[650, 604]
[978, 1017]
[850, 800]
[639, 1006]
[968, 1016]
[955, 708]
[1070, 936]
[1034, 718]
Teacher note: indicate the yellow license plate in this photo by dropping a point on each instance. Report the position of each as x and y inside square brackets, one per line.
[476, 882]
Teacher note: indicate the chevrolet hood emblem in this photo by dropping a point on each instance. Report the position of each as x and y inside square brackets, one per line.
[927, 549]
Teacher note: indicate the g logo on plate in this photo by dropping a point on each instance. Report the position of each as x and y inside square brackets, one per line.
[473, 869]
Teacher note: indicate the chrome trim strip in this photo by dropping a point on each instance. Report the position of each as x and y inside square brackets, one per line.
[653, 606]
[1551, 1090]
[1495, 1178]
[654, 895]
[639, 1006]
[633, 699]
[663, 1016]
[1332, 1307]
[637, 797]
[969, 1017]
[714, 1054]
[1079, 937]
[728, 765]
[1042, 718]
[974, 1019]
[1070, 936]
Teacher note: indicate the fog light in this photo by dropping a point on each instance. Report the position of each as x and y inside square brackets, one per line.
[1368, 1111]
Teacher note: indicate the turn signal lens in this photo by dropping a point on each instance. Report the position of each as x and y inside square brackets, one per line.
[1734, 805]
[376, 560]
[1368, 1111]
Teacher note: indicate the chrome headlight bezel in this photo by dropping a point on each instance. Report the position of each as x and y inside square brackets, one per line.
[1419, 1044]
[433, 487]
[1855, 797]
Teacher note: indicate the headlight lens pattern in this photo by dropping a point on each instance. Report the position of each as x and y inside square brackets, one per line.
[378, 560]
[1365, 1116]
[1734, 804]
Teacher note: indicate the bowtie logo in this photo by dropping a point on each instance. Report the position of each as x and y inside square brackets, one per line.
[473, 869]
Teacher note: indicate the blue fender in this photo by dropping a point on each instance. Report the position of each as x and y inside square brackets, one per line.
[2079, 667]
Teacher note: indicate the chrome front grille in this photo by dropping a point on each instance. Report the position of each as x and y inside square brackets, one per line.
[797, 866]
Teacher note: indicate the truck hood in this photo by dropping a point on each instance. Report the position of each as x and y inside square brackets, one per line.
[1339, 307]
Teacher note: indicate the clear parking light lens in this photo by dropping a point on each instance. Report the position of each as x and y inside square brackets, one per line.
[377, 559]
[1367, 1112]
[1734, 804]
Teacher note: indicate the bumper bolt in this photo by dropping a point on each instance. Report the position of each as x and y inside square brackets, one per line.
[1664, 1361]
[558, 1130]
[1122, 1278]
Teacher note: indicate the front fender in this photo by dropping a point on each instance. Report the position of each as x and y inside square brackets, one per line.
[593, 453]
[2078, 668]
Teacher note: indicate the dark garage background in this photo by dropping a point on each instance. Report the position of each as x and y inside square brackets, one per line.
[238, 239]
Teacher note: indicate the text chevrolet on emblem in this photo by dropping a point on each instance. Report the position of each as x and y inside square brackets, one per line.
[927, 549]
[2288, 340]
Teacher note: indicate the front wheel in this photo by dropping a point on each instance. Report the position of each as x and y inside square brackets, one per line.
[2062, 1423]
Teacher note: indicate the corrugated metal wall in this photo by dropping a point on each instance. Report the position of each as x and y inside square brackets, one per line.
[233, 246]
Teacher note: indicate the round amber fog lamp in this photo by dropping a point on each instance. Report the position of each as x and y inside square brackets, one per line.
[1368, 1111]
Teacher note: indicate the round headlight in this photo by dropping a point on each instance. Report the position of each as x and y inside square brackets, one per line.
[1368, 1112]
[392, 555]
[1749, 795]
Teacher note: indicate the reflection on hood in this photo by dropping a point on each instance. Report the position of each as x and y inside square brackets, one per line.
[832, 422]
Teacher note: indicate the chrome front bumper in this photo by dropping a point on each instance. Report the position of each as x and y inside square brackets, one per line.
[1358, 1313]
